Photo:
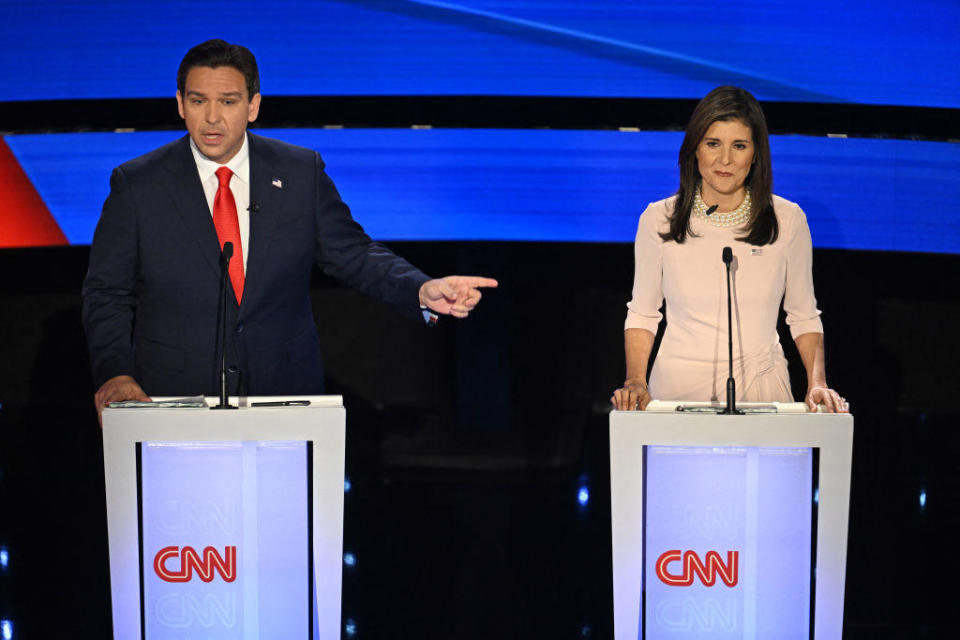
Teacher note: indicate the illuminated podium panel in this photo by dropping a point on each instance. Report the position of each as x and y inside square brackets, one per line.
[226, 524]
[729, 526]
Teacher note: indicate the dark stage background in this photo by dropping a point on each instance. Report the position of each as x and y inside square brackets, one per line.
[467, 444]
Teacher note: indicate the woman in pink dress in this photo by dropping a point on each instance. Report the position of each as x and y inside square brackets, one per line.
[724, 200]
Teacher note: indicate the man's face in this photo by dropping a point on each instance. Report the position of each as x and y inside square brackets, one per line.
[216, 108]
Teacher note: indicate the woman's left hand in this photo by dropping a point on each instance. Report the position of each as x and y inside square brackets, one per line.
[832, 401]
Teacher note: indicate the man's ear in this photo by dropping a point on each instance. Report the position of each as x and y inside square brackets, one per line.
[180, 104]
[253, 109]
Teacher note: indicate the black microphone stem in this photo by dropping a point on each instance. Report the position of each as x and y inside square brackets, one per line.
[224, 273]
[731, 383]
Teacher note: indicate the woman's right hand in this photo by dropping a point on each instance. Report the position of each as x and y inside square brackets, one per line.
[632, 396]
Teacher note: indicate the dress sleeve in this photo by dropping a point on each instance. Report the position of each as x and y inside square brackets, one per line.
[799, 302]
[643, 310]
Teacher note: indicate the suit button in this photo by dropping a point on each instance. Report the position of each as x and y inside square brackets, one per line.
[239, 328]
[233, 368]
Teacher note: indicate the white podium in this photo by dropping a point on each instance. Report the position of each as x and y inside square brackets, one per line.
[729, 526]
[226, 524]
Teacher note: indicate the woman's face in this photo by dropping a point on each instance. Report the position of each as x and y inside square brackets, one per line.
[724, 157]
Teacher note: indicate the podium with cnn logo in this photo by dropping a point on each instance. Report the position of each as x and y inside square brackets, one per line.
[226, 524]
[729, 526]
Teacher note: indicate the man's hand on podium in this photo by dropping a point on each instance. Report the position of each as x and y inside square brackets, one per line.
[632, 396]
[117, 389]
[454, 295]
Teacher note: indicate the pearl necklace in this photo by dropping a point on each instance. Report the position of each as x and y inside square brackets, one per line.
[733, 218]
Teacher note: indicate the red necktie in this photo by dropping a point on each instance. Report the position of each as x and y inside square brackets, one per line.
[228, 228]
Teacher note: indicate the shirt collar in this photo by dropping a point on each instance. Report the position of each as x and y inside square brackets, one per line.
[239, 164]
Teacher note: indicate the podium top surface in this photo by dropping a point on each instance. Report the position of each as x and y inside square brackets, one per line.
[241, 402]
[707, 428]
[661, 406]
[275, 421]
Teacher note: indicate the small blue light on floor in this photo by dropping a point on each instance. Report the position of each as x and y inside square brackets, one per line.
[583, 496]
[4, 558]
[586, 631]
[350, 628]
[347, 485]
[923, 499]
[6, 629]
[349, 559]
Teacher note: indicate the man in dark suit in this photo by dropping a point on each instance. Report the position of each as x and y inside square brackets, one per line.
[150, 298]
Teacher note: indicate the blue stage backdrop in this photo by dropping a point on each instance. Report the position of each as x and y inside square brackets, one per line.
[881, 52]
[540, 185]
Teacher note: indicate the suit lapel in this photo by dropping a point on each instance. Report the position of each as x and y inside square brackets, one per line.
[191, 204]
[266, 201]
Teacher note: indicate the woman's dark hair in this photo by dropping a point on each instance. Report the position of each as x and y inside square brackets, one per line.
[725, 104]
[218, 53]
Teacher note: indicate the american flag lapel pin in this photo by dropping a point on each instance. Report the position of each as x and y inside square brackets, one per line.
[756, 252]
[277, 182]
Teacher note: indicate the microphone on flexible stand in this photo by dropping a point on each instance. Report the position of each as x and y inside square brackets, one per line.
[731, 384]
[224, 273]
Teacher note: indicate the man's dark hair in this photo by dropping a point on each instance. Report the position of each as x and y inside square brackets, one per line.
[218, 53]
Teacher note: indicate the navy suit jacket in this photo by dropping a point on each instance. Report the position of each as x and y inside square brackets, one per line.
[151, 295]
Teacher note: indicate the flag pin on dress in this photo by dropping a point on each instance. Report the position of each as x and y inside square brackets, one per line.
[277, 182]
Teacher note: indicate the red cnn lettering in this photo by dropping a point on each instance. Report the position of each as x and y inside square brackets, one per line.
[190, 561]
[691, 564]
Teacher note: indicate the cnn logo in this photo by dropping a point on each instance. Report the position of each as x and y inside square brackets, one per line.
[690, 563]
[191, 561]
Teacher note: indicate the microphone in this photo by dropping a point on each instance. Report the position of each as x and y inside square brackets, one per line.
[731, 384]
[254, 207]
[225, 256]
[709, 212]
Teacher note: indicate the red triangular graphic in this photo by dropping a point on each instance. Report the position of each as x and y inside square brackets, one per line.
[25, 220]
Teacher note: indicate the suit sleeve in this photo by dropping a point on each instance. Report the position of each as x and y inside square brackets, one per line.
[109, 289]
[347, 253]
